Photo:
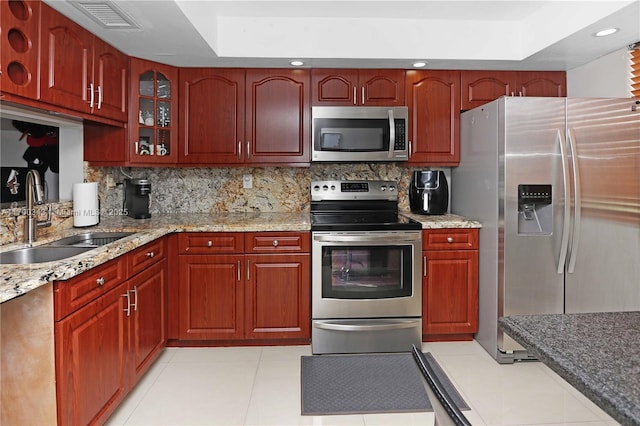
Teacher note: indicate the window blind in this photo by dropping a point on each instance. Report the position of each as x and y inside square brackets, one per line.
[635, 69]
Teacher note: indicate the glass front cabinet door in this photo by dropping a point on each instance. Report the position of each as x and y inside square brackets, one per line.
[153, 113]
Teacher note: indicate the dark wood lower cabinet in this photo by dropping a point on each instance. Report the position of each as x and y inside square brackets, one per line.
[244, 297]
[105, 345]
[450, 284]
[92, 347]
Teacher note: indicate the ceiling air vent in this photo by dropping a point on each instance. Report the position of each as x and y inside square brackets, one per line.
[107, 15]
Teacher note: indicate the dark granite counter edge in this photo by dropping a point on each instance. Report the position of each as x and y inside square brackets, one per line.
[599, 393]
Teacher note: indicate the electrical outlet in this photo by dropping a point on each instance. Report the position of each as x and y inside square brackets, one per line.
[111, 183]
[247, 181]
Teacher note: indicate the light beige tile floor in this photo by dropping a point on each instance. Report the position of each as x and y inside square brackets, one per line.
[261, 386]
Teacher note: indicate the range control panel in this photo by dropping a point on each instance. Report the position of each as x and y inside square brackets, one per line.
[354, 190]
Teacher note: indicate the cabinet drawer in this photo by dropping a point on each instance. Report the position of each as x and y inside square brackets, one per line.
[211, 243]
[277, 242]
[146, 256]
[453, 239]
[76, 292]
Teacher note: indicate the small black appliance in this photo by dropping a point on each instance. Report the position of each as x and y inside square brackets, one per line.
[429, 192]
[136, 198]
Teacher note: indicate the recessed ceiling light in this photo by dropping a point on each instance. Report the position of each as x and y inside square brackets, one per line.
[606, 32]
[297, 63]
[419, 64]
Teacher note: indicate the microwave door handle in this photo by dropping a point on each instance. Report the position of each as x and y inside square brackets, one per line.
[392, 133]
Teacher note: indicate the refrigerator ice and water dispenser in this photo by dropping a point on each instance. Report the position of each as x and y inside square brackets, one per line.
[535, 211]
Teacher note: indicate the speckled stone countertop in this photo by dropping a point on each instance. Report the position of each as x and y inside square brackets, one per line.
[16, 280]
[597, 353]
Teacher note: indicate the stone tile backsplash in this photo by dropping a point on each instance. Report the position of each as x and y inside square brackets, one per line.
[211, 190]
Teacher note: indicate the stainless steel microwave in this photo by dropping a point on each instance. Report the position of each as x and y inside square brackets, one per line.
[359, 134]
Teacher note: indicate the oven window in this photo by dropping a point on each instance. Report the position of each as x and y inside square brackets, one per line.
[366, 272]
[352, 135]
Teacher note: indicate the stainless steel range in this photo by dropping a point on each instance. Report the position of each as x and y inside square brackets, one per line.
[366, 276]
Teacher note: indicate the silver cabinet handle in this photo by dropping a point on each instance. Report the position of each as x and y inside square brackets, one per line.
[99, 97]
[410, 150]
[128, 308]
[209, 243]
[354, 96]
[151, 254]
[90, 95]
[239, 150]
[135, 298]
[100, 281]
[248, 270]
[275, 243]
[248, 149]
[449, 240]
[424, 266]
[362, 95]
[238, 270]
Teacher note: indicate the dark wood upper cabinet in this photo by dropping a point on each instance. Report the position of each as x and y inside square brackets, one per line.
[80, 71]
[244, 116]
[481, 87]
[211, 116]
[277, 117]
[433, 98]
[19, 56]
[153, 114]
[370, 87]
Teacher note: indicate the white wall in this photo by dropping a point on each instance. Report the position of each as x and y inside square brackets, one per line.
[606, 77]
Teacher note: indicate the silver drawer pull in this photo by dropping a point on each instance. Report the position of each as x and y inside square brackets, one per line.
[151, 254]
[100, 281]
[449, 239]
[209, 243]
[275, 243]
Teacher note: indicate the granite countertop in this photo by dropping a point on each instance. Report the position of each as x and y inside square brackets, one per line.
[16, 280]
[597, 353]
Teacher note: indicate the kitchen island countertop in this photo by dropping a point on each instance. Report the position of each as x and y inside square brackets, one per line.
[16, 280]
[597, 353]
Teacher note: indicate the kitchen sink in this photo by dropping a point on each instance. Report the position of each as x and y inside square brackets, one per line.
[90, 239]
[40, 254]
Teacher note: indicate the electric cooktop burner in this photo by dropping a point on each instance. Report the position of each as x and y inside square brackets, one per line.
[357, 206]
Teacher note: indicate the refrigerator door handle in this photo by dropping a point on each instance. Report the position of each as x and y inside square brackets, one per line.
[564, 244]
[576, 204]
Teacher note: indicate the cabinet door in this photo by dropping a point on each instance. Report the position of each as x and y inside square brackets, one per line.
[542, 83]
[66, 62]
[480, 87]
[153, 113]
[277, 125]
[19, 56]
[211, 297]
[110, 81]
[147, 291]
[450, 294]
[278, 296]
[91, 360]
[381, 87]
[334, 87]
[212, 116]
[434, 117]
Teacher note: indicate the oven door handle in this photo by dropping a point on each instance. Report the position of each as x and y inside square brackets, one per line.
[388, 239]
[396, 325]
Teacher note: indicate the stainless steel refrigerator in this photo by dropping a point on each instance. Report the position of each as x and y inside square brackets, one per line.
[555, 183]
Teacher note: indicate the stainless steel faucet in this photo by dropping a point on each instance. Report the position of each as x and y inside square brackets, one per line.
[34, 193]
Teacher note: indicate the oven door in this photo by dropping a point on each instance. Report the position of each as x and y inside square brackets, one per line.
[366, 274]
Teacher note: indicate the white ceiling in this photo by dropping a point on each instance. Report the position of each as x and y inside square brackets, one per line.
[502, 34]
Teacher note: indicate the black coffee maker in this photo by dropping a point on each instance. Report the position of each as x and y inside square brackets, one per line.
[136, 198]
[429, 192]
